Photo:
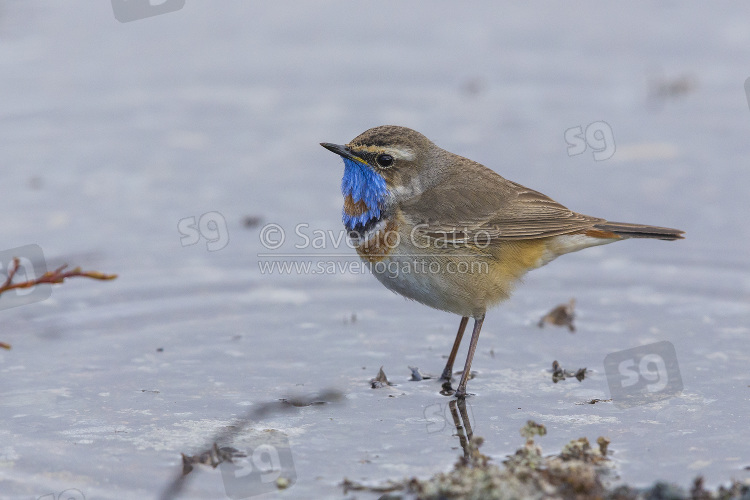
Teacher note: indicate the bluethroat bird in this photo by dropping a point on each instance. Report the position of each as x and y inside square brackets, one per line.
[452, 234]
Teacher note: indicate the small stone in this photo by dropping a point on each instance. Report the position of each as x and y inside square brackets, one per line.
[282, 483]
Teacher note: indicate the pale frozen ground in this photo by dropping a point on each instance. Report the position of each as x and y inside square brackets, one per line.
[112, 133]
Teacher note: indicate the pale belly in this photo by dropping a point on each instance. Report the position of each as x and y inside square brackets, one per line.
[420, 279]
[463, 280]
[456, 282]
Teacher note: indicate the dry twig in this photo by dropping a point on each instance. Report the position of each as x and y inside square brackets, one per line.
[51, 277]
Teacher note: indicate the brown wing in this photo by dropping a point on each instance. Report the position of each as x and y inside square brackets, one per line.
[473, 202]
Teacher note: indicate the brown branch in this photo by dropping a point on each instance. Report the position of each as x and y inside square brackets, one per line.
[54, 277]
[51, 277]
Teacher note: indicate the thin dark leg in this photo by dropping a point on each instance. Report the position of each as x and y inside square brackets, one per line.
[462, 439]
[448, 371]
[461, 391]
[465, 417]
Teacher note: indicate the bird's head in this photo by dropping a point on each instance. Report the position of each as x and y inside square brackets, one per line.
[382, 166]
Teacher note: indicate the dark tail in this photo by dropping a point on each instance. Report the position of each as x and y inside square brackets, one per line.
[626, 230]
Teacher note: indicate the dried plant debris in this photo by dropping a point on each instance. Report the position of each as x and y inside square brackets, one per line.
[594, 401]
[417, 375]
[474, 86]
[301, 402]
[380, 380]
[559, 373]
[388, 487]
[51, 277]
[662, 88]
[251, 221]
[562, 315]
[54, 277]
[603, 445]
[580, 471]
[532, 429]
[213, 457]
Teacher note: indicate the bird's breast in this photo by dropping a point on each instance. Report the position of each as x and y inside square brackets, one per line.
[381, 241]
[354, 209]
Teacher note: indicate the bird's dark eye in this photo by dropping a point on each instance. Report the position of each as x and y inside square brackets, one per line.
[385, 160]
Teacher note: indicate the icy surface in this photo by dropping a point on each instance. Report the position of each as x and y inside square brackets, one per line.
[111, 134]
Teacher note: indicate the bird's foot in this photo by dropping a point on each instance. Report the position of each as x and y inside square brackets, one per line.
[447, 389]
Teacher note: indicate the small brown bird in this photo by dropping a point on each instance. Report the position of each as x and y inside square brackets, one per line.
[452, 234]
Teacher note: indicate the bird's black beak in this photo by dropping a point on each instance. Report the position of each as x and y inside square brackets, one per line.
[342, 151]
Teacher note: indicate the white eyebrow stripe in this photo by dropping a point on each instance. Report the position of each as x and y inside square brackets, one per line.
[401, 154]
[398, 153]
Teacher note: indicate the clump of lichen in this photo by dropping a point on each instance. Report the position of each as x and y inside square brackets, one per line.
[578, 472]
[575, 473]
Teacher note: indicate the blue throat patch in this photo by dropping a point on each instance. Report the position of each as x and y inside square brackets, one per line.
[363, 184]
